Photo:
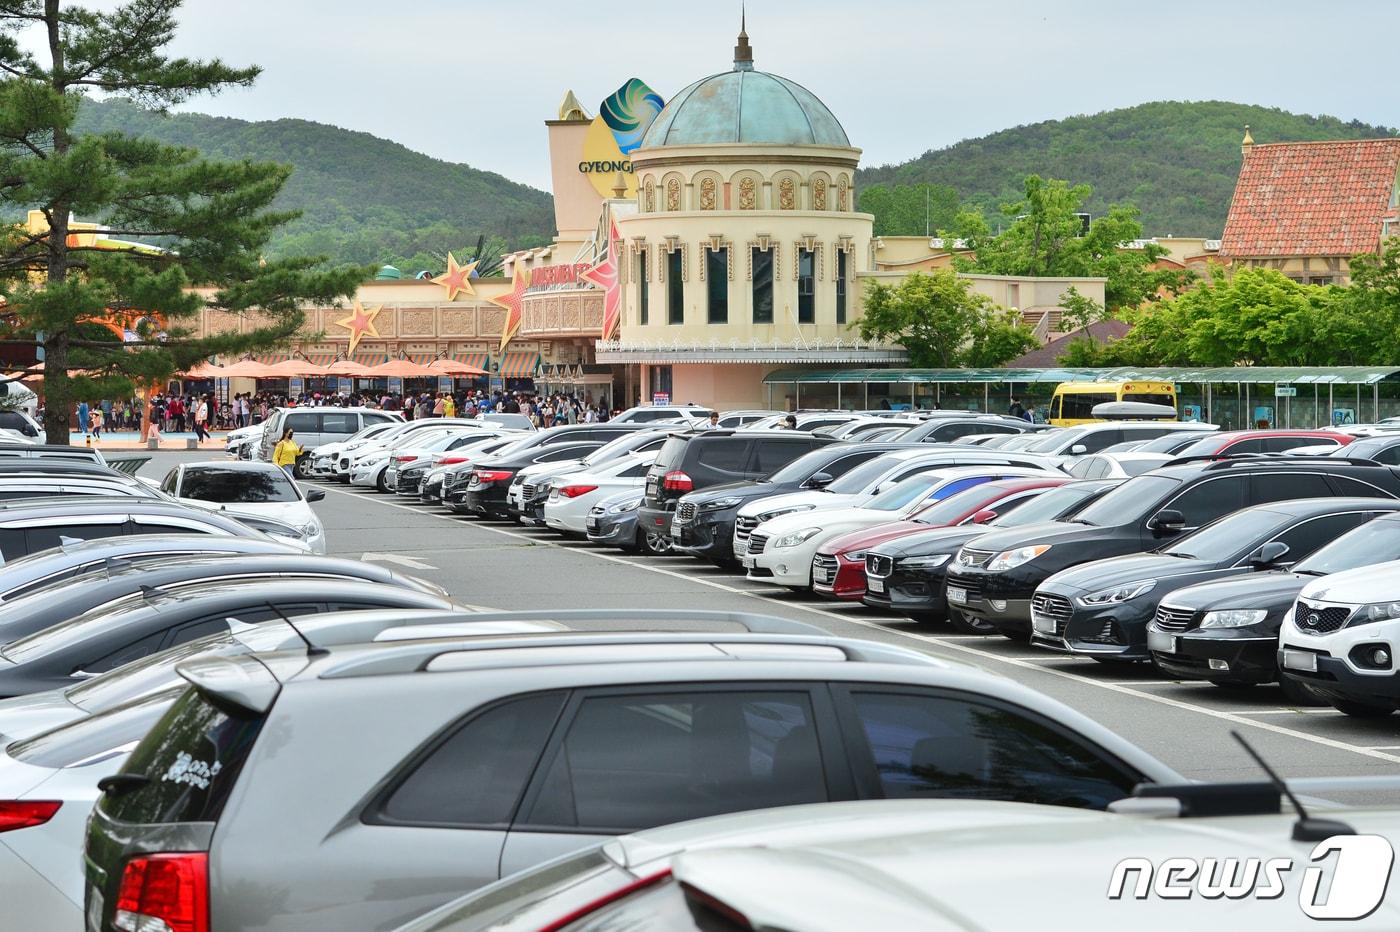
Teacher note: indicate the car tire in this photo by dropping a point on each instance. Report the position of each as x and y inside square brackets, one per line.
[967, 625]
[1298, 693]
[1361, 709]
[654, 544]
[380, 485]
[302, 469]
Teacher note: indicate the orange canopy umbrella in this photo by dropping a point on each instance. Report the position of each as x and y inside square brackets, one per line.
[349, 367]
[290, 367]
[402, 369]
[251, 369]
[206, 370]
[453, 367]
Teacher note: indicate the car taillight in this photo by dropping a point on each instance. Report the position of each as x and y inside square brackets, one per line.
[25, 813]
[574, 491]
[493, 475]
[405, 459]
[592, 907]
[164, 891]
[677, 481]
[451, 460]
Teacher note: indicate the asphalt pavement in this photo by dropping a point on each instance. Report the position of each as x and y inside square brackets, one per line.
[1186, 724]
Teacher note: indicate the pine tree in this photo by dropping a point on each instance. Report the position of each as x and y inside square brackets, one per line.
[210, 220]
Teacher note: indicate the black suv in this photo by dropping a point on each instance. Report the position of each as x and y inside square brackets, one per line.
[694, 461]
[1227, 631]
[994, 576]
[704, 522]
[949, 429]
[1101, 610]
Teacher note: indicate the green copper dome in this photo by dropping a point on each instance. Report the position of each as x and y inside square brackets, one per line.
[745, 106]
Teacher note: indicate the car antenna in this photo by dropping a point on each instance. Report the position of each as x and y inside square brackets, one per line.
[311, 649]
[1306, 828]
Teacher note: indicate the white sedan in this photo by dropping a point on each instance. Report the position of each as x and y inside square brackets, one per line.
[258, 489]
[781, 549]
[573, 494]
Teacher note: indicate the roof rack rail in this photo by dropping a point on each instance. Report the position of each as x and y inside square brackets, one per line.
[751, 622]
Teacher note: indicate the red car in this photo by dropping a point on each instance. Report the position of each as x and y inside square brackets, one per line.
[1262, 441]
[838, 569]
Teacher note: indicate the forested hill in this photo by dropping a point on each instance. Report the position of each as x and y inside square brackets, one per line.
[364, 199]
[1177, 161]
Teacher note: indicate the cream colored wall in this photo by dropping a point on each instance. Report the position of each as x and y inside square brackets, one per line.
[721, 385]
[1304, 268]
[1011, 290]
[576, 201]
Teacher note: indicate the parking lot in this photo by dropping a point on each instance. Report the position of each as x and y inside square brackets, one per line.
[499, 565]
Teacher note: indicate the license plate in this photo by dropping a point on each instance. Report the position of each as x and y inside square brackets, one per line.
[875, 585]
[820, 574]
[651, 488]
[554, 495]
[1303, 660]
[748, 562]
[591, 524]
[1043, 625]
[957, 594]
[1158, 641]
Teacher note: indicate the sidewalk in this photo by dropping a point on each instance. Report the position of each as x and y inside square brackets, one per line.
[131, 440]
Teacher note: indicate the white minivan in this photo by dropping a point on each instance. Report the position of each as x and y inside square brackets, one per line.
[1341, 636]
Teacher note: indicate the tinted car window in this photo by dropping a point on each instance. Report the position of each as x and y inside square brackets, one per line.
[1223, 539]
[1204, 502]
[1250, 445]
[933, 746]
[1128, 501]
[1375, 542]
[1306, 537]
[339, 423]
[10, 420]
[371, 417]
[632, 762]
[1096, 440]
[190, 759]
[1280, 444]
[42, 538]
[771, 454]
[227, 485]
[133, 650]
[308, 421]
[567, 453]
[814, 462]
[475, 775]
[1284, 487]
[724, 454]
[1346, 485]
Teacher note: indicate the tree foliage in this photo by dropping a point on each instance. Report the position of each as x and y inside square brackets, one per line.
[910, 210]
[1044, 236]
[1176, 160]
[942, 322]
[214, 219]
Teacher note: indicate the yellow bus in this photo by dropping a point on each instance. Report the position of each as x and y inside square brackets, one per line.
[1074, 401]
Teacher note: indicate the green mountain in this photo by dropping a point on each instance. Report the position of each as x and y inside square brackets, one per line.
[1176, 160]
[364, 199]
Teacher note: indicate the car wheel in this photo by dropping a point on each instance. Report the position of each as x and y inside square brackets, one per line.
[656, 545]
[968, 625]
[1298, 693]
[302, 469]
[379, 484]
[1361, 709]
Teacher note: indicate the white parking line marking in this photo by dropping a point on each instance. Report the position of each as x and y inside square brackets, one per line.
[1289, 712]
[1231, 717]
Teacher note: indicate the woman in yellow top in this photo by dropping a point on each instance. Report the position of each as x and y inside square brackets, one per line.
[449, 406]
[286, 452]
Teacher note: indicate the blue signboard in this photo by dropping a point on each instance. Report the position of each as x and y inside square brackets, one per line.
[295, 385]
[444, 383]
[345, 385]
[395, 385]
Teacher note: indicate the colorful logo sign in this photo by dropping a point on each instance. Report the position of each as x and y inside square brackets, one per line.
[622, 121]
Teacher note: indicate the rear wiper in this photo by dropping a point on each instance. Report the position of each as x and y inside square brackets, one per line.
[119, 783]
[1309, 572]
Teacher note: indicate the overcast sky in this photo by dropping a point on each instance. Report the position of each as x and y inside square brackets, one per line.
[472, 81]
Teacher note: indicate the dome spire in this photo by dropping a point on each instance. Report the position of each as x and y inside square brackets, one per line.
[743, 54]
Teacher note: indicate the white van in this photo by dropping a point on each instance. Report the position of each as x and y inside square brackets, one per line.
[1341, 636]
[312, 427]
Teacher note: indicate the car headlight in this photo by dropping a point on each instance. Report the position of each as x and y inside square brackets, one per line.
[770, 515]
[1010, 559]
[796, 537]
[1375, 611]
[310, 529]
[372, 459]
[925, 563]
[625, 507]
[1234, 618]
[854, 555]
[720, 504]
[1118, 593]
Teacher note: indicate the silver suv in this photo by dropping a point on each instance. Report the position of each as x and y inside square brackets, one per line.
[357, 786]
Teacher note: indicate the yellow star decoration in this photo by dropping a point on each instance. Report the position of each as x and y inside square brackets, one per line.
[457, 278]
[359, 323]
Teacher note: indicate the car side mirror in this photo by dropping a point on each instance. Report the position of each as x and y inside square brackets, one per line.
[1268, 555]
[315, 495]
[819, 480]
[983, 516]
[1078, 449]
[1167, 521]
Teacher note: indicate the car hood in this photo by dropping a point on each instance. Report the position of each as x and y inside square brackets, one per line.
[1275, 590]
[745, 490]
[1118, 571]
[807, 499]
[871, 537]
[1375, 583]
[1051, 532]
[293, 513]
[546, 470]
[931, 541]
[832, 520]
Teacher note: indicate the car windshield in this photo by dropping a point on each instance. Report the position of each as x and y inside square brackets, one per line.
[1128, 502]
[1375, 542]
[1221, 540]
[1168, 443]
[807, 464]
[1055, 440]
[903, 493]
[615, 448]
[861, 477]
[953, 507]
[95, 738]
[227, 486]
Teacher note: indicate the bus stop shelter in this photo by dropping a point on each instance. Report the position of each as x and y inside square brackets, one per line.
[1233, 396]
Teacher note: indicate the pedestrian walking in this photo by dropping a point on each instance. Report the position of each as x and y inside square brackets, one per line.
[84, 414]
[286, 452]
[201, 421]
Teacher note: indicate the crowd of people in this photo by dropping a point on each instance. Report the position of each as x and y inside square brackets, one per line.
[203, 412]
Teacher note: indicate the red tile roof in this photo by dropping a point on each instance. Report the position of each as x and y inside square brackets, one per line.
[1311, 198]
[1048, 356]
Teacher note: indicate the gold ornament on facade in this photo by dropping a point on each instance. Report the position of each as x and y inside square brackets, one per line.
[707, 194]
[746, 194]
[787, 195]
[649, 197]
[819, 194]
[842, 193]
[673, 194]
